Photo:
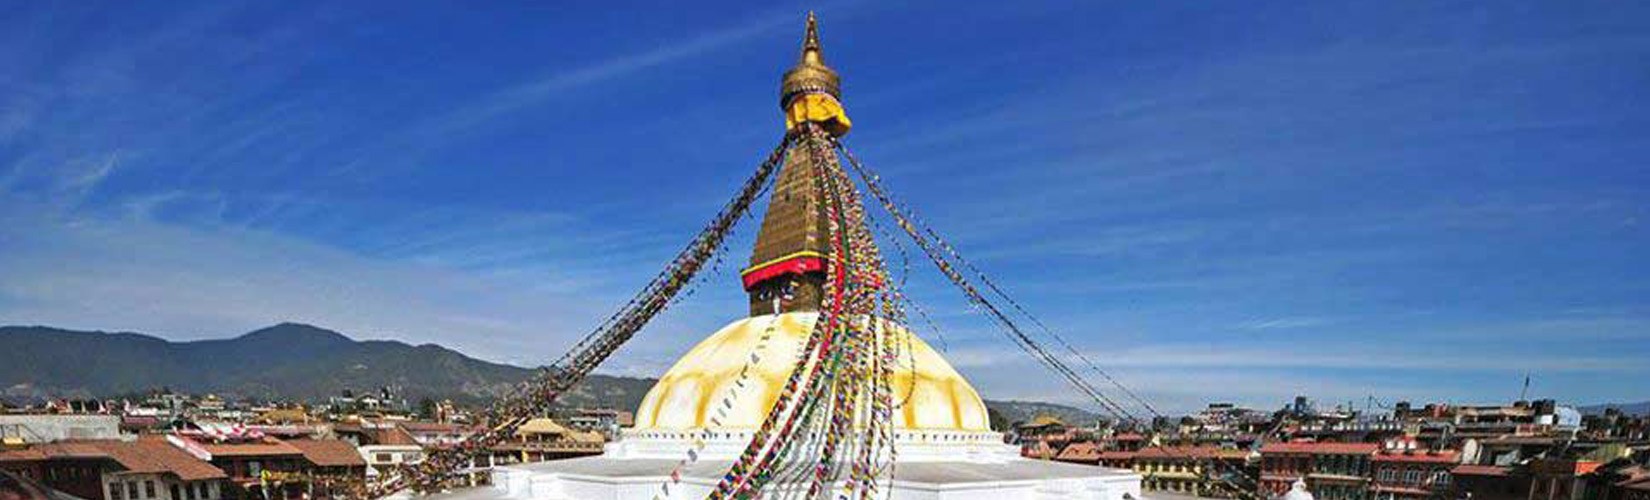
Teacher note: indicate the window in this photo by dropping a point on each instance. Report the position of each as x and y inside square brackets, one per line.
[382, 458]
[149, 489]
[176, 495]
[1386, 475]
[1412, 476]
[254, 469]
[114, 491]
[1440, 478]
[189, 493]
[202, 487]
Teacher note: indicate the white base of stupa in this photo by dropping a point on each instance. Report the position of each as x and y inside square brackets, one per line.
[945, 470]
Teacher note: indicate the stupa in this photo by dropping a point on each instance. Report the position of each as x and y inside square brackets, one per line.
[714, 398]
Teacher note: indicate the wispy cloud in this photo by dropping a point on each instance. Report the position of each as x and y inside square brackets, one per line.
[1285, 323]
[524, 95]
[88, 178]
[406, 145]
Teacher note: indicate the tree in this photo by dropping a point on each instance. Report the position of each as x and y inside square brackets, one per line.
[998, 421]
[426, 408]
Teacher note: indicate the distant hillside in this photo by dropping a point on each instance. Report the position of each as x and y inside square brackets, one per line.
[288, 360]
[1025, 411]
[1639, 408]
[303, 362]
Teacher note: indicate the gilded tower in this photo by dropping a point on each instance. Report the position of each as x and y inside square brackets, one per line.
[787, 267]
[756, 355]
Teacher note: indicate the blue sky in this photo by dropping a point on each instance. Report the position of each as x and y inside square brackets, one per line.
[1230, 201]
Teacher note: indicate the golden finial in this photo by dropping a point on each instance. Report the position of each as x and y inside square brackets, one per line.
[810, 42]
[810, 73]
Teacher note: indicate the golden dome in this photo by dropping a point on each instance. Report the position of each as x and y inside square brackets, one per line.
[686, 397]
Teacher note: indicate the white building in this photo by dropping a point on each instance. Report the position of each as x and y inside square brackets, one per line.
[17, 430]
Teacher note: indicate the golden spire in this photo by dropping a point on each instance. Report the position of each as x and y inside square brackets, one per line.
[810, 73]
[811, 53]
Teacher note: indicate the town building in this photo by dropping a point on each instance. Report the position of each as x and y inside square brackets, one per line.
[1488, 482]
[384, 445]
[248, 460]
[333, 466]
[111, 469]
[1128, 441]
[1086, 452]
[1560, 478]
[1404, 472]
[604, 420]
[1620, 479]
[1205, 471]
[437, 434]
[1118, 459]
[1332, 471]
[543, 439]
[25, 429]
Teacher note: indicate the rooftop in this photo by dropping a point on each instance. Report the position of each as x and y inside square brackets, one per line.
[1438, 456]
[1322, 448]
[1480, 470]
[328, 452]
[150, 455]
[1080, 452]
[261, 448]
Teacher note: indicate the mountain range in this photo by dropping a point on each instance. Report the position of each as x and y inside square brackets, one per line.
[285, 361]
[303, 362]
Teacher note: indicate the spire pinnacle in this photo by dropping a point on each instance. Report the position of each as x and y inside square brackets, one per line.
[811, 51]
[810, 73]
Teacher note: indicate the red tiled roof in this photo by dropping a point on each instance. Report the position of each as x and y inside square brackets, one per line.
[149, 455]
[395, 436]
[1479, 470]
[24, 455]
[1438, 457]
[328, 452]
[1117, 455]
[346, 427]
[1079, 452]
[154, 454]
[58, 450]
[1128, 436]
[1322, 448]
[267, 447]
